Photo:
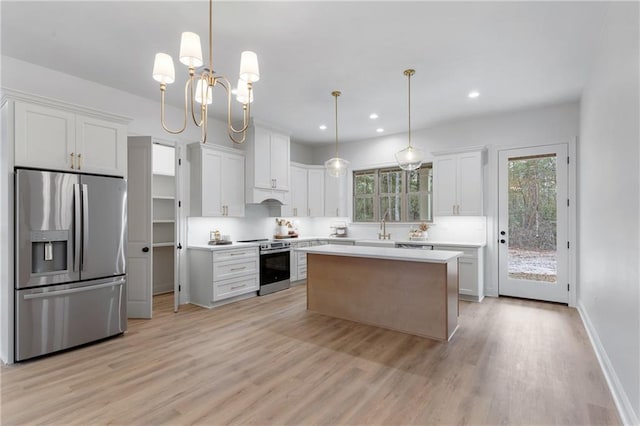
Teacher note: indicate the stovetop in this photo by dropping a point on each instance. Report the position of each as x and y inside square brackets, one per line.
[267, 244]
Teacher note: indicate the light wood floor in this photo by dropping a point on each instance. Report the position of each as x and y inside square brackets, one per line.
[266, 360]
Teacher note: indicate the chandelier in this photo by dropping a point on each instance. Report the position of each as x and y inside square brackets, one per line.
[336, 166]
[198, 89]
[409, 158]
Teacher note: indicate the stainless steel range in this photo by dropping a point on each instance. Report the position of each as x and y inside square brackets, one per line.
[275, 265]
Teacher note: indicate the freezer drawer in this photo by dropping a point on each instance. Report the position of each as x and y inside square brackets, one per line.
[50, 319]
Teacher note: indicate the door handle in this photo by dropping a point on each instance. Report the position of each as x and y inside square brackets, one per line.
[502, 241]
[85, 225]
[502, 233]
[72, 160]
[145, 249]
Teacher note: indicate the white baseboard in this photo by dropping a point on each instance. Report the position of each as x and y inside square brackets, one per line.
[620, 398]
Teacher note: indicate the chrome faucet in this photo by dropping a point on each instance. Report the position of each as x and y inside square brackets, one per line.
[383, 227]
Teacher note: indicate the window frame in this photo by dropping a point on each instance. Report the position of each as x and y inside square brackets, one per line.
[376, 196]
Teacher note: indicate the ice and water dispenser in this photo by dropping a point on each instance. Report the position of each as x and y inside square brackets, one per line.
[49, 251]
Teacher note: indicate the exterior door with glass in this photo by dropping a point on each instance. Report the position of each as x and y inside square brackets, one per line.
[533, 223]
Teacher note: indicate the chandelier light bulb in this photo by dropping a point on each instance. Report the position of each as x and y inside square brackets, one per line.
[201, 89]
[191, 50]
[163, 70]
[249, 70]
[243, 95]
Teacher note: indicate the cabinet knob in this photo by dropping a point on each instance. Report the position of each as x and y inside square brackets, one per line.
[145, 249]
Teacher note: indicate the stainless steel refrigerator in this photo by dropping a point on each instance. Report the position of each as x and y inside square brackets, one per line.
[70, 242]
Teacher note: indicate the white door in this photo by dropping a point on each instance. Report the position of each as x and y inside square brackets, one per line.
[533, 223]
[140, 230]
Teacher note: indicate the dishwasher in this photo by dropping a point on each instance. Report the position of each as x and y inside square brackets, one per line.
[414, 246]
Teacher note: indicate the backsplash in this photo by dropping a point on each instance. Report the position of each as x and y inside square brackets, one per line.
[259, 222]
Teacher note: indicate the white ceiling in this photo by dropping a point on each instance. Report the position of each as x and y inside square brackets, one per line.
[516, 54]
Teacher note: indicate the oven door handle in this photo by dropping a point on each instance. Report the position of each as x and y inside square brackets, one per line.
[275, 251]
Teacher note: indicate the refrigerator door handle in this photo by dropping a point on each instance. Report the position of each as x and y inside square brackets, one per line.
[72, 290]
[77, 219]
[85, 224]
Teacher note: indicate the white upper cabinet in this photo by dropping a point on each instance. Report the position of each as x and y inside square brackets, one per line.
[101, 146]
[298, 206]
[57, 139]
[315, 191]
[217, 181]
[267, 169]
[335, 195]
[458, 184]
[307, 192]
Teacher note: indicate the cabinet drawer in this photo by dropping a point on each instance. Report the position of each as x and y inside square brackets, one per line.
[235, 286]
[233, 254]
[302, 259]
[235, 268]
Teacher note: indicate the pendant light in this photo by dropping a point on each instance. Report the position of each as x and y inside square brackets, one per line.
[411, 157]
[336, 166]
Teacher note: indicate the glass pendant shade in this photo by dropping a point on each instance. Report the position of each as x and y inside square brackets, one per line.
[336, 166]
[409, 158]
[201, 88]
[190, 50]
[249, 70]
[163, 70]
[242, 92]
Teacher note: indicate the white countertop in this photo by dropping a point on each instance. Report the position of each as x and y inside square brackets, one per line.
[399, 241]
[428, 256]
[233, 245]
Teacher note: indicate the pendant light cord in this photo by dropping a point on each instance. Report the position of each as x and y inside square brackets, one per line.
[335, 95]
[211, 38]
[409, 73]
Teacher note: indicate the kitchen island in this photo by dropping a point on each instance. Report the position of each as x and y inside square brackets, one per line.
[412, 291]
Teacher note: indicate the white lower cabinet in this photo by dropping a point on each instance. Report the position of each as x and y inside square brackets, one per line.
[221, 274]
[299, 261]
[470, 271]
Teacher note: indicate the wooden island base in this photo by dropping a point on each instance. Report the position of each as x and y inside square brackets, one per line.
[418, 298]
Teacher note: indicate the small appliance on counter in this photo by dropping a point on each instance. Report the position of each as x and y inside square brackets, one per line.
[339, 229]
[215, 239]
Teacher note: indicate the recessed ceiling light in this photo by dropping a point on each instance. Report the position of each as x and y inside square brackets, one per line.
[234, 91]
[473, 94]
[379, 130]
[373, 116]
[323, 127]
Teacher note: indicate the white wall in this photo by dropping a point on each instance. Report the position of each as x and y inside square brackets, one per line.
[301, 153]
[551, 124]
[608, 225]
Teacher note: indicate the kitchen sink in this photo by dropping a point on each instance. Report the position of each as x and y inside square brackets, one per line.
[376, 243]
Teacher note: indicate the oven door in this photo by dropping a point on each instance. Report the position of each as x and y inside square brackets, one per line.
[275, 266]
